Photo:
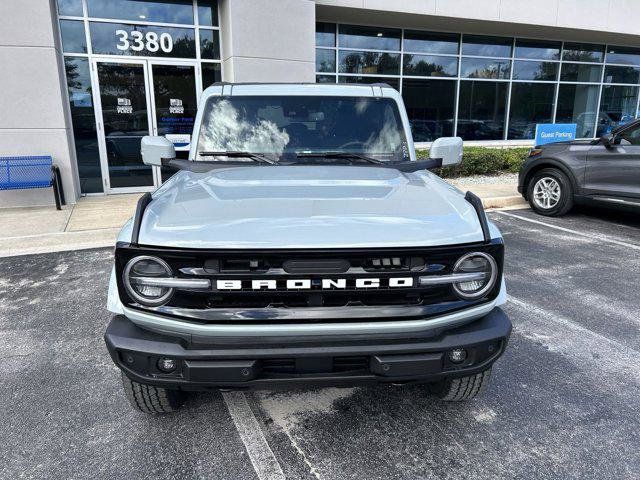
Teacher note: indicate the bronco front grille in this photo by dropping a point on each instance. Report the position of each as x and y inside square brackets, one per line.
[372, 278]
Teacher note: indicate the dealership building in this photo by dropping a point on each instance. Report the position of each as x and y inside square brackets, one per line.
[84, 80]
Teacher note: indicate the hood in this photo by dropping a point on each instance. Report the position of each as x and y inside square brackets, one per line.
[271, 207]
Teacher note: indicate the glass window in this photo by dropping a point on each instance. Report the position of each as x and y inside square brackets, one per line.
[481, 110]
[538, 49]
[142, 40]
[424, 42]
[632, 136]
[531, 103]
[579, 72]
[325, 79]
[393, 82]
[369, 63]
[617, 107]
[431, 108]
[70, 7]
[209, 44]
[430, 66]
[485, 68]
[210, 74]
[583, 52]
[623, 55]
[373, 38]
[73, 37]
[578, 104]
[165, 11]
[208, 13]
[325, 60]
[614, 74]
[486, 46]
[84, 124]
[523, 70]
[325, 34]
[287, 125]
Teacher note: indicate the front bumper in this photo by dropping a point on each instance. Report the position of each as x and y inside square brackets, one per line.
[316, 361]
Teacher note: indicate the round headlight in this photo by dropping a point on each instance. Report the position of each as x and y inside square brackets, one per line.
[475, 263]
[137, 275]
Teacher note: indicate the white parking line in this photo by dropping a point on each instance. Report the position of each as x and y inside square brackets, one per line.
[585, 347]
[593, 236]
[262, 458]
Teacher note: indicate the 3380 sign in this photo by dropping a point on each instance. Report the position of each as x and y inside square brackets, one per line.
[138, 41]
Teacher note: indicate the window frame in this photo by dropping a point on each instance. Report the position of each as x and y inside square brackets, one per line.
[565, 46]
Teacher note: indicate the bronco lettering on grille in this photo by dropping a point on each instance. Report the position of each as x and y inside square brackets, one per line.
[317, 284]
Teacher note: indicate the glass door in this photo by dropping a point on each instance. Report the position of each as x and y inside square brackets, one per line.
[174, 101]
[124, 101]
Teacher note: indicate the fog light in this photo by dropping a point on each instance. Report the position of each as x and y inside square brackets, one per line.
[167, 365]
[458, 355]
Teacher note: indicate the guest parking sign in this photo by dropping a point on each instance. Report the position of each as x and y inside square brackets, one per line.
[555, 132]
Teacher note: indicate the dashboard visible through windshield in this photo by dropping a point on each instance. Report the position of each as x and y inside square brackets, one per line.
[303, 128]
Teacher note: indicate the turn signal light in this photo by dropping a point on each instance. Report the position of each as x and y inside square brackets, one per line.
[534, 152]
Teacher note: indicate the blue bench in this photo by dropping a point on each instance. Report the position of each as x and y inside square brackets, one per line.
[19, 173]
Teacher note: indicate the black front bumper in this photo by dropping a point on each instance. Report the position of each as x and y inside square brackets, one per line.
[253, 363]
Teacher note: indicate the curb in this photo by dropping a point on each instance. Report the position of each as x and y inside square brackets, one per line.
[502, 202]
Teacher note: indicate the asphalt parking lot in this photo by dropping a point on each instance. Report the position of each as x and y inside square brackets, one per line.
[563, 403]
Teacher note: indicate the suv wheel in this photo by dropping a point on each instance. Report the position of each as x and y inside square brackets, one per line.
[463, 388]
[150, 399]
[550, 193]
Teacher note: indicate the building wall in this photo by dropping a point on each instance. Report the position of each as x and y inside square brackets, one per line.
[613, 18]
[268, 41]
[34, 119]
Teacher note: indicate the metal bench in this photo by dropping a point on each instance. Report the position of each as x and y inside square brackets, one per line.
[20, 173]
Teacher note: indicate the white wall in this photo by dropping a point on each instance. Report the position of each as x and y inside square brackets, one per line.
[268, 41]
[34, 117]
[614, 20]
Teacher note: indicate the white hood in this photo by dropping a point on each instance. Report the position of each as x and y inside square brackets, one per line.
[271, 207]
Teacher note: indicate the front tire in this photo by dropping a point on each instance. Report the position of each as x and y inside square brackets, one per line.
[150, 399]
[550, 193]
[463, 388]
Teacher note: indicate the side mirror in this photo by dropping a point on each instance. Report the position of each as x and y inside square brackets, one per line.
[607, 140]
[448, 150]
[155, 149]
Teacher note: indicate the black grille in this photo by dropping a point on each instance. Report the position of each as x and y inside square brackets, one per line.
[275, 366]
[313, 266]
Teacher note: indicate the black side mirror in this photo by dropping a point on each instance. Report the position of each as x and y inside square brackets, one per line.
[608, 140]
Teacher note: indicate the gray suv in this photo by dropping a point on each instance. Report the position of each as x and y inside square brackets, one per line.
[605, 171]
[304, 244]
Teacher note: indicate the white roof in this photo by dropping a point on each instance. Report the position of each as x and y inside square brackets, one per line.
[306, 89]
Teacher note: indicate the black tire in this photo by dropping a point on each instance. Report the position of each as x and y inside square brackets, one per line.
[463, 388]
[565, 202]
[150, 399]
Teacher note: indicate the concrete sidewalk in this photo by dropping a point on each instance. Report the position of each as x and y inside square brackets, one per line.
[92, 222]
[95, 221]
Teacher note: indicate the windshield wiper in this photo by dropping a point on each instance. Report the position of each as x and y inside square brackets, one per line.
[239, 154]
[346, 155]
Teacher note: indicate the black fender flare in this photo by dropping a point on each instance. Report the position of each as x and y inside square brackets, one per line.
[548, 163]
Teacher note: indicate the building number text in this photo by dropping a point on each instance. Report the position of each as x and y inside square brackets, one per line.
[138, 41]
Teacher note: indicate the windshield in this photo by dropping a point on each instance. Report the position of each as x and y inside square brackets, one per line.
[293, 128]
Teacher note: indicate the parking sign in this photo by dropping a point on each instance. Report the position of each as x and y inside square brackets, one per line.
[555, 132]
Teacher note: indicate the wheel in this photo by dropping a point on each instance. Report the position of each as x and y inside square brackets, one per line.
[150, 399]
[463, 388]
[550, 192]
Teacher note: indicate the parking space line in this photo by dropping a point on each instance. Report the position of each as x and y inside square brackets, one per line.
[593, 236]
[262, 458]
[564, 335]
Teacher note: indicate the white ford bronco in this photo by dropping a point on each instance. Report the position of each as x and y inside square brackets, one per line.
[304, 244]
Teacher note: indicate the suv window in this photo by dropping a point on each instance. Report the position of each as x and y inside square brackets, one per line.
[288, 125]
[630, 136]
